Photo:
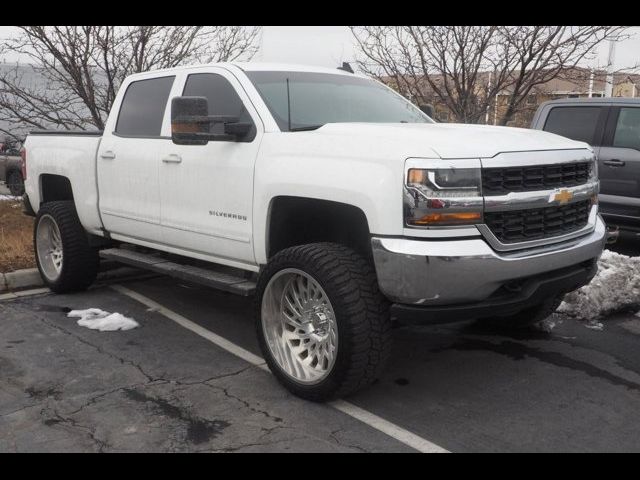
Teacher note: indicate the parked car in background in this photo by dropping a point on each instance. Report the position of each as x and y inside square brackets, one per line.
[612, 127]
[11, 168]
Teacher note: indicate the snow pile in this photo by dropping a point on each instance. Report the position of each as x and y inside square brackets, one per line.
[97, 319]
[615, 288]
[8, 198]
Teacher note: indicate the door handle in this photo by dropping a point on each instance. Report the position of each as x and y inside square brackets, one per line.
[108, 155]
[614, 162]
[173, 158]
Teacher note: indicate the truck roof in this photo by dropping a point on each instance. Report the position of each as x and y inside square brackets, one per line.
[613, 100]
[255, 67]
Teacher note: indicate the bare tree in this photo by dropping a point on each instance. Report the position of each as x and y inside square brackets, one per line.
[451, 64]
[466, 67]
[75, 71]
[545, 53]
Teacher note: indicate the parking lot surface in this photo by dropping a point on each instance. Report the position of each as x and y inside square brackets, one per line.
[163, 387]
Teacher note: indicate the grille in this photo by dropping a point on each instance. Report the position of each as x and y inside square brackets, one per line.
[500, 181]
[536, 223]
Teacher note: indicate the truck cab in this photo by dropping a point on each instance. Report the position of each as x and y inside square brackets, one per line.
[332, 200]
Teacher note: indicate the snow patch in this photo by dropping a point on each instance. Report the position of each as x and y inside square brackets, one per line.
[615, 288]
[97, 319]
[8, 198]
[595, 326]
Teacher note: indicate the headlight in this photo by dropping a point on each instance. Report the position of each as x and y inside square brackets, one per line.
[443, 196]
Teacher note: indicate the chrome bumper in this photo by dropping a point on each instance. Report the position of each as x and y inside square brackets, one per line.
[449, 272]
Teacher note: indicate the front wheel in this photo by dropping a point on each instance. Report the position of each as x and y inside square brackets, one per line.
[64, 257]
[322, 324]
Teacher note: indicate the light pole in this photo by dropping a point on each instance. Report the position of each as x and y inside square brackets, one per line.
[612, 55]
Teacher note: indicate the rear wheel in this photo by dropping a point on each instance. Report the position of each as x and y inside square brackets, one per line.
[65, 260]
[15, 184]
[322, 324]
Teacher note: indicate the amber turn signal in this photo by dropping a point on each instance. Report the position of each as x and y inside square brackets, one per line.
[448, 218]
[416, 175]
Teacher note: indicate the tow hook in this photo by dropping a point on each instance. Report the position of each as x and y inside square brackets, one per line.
[613, 232]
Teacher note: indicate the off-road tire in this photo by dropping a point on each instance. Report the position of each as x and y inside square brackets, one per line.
[15, 184]
[80, 261]
[361, 312]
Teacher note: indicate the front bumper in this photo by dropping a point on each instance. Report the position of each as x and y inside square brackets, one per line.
[451, 272]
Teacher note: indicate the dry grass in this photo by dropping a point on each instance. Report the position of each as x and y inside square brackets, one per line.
[16, 237]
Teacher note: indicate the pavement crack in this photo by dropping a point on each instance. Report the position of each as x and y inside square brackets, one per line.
[334, 437]
[57, 419]
[247, 405]
[211, 379]
[123, 361]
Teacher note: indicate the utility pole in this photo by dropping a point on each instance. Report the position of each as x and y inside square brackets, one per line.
[591, 83]
[486, 115]
[612, 55]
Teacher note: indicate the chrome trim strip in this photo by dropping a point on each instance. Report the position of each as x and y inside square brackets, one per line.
[506, 247]
[441, 232]
[537, 158]
[537, 199]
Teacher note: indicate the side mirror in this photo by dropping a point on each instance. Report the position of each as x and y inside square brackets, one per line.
[427, 109]
[191, 123]
[190, 120]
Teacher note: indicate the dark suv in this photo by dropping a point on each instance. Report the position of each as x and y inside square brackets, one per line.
[612, 127]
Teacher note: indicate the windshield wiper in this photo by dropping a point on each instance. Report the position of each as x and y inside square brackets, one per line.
[304, 129]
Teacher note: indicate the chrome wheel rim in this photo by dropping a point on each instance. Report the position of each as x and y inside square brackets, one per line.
[299, 326]
[49, 247]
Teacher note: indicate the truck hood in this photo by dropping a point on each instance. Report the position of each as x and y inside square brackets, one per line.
[454, 140]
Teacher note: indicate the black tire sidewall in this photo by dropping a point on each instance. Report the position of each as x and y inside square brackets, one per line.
[79, 261]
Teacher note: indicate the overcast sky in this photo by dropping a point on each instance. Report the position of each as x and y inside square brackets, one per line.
[331, 45]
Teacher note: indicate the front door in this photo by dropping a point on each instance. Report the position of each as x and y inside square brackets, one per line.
[619, 163]
[207, 190]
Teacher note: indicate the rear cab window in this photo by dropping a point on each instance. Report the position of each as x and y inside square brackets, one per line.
[577, 123]
[143, 106]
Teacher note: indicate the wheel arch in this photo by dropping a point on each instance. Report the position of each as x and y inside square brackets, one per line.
[294, 220]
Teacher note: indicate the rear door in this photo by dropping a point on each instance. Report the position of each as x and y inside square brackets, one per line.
[619, 162]
[129, 158]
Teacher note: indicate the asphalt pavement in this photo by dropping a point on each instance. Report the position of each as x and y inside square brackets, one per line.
[162, 387]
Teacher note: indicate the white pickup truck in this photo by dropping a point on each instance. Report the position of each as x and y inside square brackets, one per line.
[331, 199]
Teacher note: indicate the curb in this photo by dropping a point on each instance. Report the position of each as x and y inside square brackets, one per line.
[30, 277]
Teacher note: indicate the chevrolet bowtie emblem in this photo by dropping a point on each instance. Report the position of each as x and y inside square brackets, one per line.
[563, 196]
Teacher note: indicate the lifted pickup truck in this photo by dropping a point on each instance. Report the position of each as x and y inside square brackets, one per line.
[333, 200]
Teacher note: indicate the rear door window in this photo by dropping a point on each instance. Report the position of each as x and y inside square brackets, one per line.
[143, 106]
[627, 134]
[576, 123]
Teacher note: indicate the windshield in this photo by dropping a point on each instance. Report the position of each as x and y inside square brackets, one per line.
[318, 98]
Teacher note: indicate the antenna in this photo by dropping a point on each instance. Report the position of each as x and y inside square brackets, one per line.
[346, 67]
